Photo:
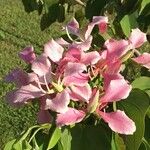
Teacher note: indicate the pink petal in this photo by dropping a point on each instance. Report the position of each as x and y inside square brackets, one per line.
[113, 66]
[44, 117]
[73, 54]
[117, 89]
[102, 23]
[85, 45]
[74, 68]
[18, 76]
[62, 42]
[79, 79]
[53, 50]
[143, 59]
[82, 93]
[116, 49]
[88, 30]
[28, 55]
[137, 38]
[70, 117]
[97, 20]
[109, 77]
[24, 94]
[73, 27]
[59, 103]
[90, 58]
[41, 66]
[119, 122]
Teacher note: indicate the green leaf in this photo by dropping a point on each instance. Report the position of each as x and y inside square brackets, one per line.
[88, 137]
[65, 140]
[142, 83]
[26, 145]
[54, 138]
[135, 106]
[117, 142]
[143, 4]
[9, 145]
[125, 24]
[129, 22]
[41, 140]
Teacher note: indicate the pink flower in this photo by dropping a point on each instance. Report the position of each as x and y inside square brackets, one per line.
[28, 54]
[143, 59]
[137, 38]
[119, 122]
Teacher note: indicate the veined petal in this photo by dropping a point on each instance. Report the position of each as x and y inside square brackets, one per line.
[143, 59]
[59, 103]
[44, 117]
[109, 77]
[73, 27]
[116, 49]
[82, 93]
[119, 122]
[24, 94]
[74, 54]
[53, 50]
[70, 117]
[79, 79]
[41, 66]
[74, 68]
[117, 89]
[137, 38]
[90, 58]
[27, 54]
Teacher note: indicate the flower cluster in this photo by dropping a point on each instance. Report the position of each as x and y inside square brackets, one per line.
[71, 80]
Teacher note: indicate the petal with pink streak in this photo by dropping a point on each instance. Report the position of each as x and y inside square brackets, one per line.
[41, 66]
[53, 50]
[27, 54]
[24, 94]
[116, 49]
[117, 89]
[119, 122]
[73, 27]
[109, 77]
[59, 103]
[82, 93]
[90, 58]
[74, 54]
[113, 66]
[70, 117]
[102, 23]
[74, 68]
[137, 38]
[143, 59]
[97, 20]
[79, 79]
[44, 116]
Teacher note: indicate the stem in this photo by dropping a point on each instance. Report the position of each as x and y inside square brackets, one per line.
[69, 35]
[114, 106]
[80, 2]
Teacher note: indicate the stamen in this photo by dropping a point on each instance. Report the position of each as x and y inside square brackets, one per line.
[69, 35]
[48, 89]
[40, 87]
